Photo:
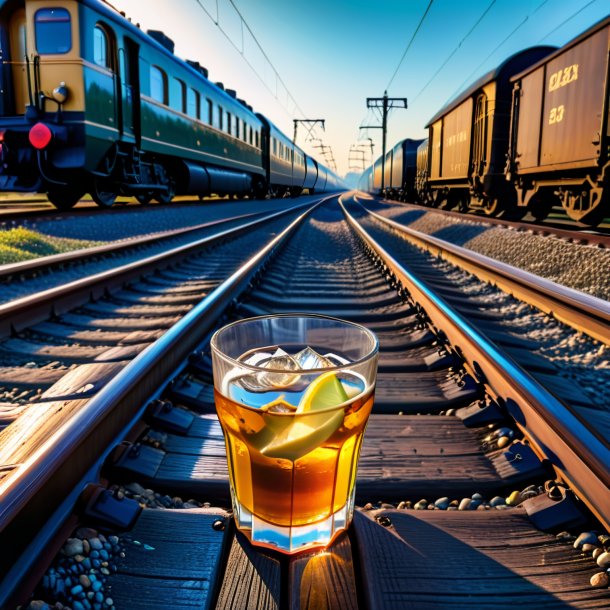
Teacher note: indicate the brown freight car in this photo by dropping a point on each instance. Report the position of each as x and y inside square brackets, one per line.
[468, 141]
[559, 144]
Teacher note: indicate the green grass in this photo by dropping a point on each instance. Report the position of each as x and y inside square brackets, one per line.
[23, 244]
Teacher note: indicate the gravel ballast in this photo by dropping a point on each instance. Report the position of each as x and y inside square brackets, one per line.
[579, 266]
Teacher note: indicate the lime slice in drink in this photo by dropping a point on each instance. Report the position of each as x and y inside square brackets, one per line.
[324, 392]
[308, 430]
[303, 434]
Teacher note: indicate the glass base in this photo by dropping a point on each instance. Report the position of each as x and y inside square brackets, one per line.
[293, 539]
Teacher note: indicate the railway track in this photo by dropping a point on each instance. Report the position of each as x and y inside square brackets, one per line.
[559, 227]
[457, 425]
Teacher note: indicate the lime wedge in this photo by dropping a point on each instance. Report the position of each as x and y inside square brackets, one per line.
[324, 392]
[304, 434]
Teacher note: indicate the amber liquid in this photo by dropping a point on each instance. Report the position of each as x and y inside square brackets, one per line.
[288, 492]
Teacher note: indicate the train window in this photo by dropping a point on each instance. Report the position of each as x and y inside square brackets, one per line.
[220, 119]
[181, 97]
[257, 140]
[102, 55]
[210, 112]
[251, 135]
[192, 104]
[275, 147]
[53, 30]
[237, 122]
[158, 85]
[229, 126]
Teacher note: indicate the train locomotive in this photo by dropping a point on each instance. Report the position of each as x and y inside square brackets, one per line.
[92, 104]
[528, 135]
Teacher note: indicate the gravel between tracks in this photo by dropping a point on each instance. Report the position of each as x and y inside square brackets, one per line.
[582, 267]
[581, 361]
[103, 225]
[117, 224]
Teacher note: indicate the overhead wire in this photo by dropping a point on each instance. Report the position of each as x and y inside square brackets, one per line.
[580, 10]
[421, 21]
[512, 33]
[457, 48]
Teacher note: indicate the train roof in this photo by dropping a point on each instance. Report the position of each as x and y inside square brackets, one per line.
[600, 25]
[504, 70]
[110, 12]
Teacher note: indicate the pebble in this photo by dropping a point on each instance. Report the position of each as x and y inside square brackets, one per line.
[600, 580]
[442, 503]
[497, 501]
[503, 441]
[477, 496]
[588, 548]
[514, 498]
[604, 540]
[465, 504]
[73, 546]
[96, 544]
[367, 506]
[565, 536]
[603, 561]
[586, 538]
[421, 505]
[85, 581]
[597, 552]
[402, 505]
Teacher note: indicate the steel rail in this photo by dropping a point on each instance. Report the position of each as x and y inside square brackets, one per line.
[20, 313]
[578, 455]
[585, 313]
[63, 459]
[45, 262]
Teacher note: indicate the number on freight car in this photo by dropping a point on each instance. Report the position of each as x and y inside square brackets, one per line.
[563, 77]
[556, 114]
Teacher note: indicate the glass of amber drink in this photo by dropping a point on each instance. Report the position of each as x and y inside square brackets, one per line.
[293, 394]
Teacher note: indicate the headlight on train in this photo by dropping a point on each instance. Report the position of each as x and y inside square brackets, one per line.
[60, 94]
[40, 136]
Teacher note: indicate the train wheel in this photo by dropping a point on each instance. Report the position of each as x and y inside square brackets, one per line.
[540, 207]
[65, 198]
[104, 192]
[144, 198]
[165, 197]
[491, 207]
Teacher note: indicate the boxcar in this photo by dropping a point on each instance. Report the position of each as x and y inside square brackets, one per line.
[559, 138]
[468, 140]
[403, 166]
[422, 171]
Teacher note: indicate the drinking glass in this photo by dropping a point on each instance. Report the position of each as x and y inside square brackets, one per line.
[293, 394]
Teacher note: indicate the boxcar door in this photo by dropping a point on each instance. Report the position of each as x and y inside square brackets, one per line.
[130, 91]
[479, 143]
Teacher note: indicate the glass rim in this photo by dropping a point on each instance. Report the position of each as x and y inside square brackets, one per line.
[258, 369]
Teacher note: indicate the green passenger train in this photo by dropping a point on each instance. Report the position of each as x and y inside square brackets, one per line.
[92, 104]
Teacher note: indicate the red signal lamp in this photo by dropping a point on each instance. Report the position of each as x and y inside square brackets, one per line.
[40, 136]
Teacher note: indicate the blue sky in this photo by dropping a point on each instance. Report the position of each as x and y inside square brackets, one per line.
[331, 55]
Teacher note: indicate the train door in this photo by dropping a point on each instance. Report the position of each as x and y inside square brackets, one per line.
[18, 50]
[130, 91]
[480, 136]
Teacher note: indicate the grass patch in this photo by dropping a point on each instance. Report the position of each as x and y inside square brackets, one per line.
[24, 244]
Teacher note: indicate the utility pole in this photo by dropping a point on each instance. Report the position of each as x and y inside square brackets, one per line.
[310, 122]
[386, 104]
